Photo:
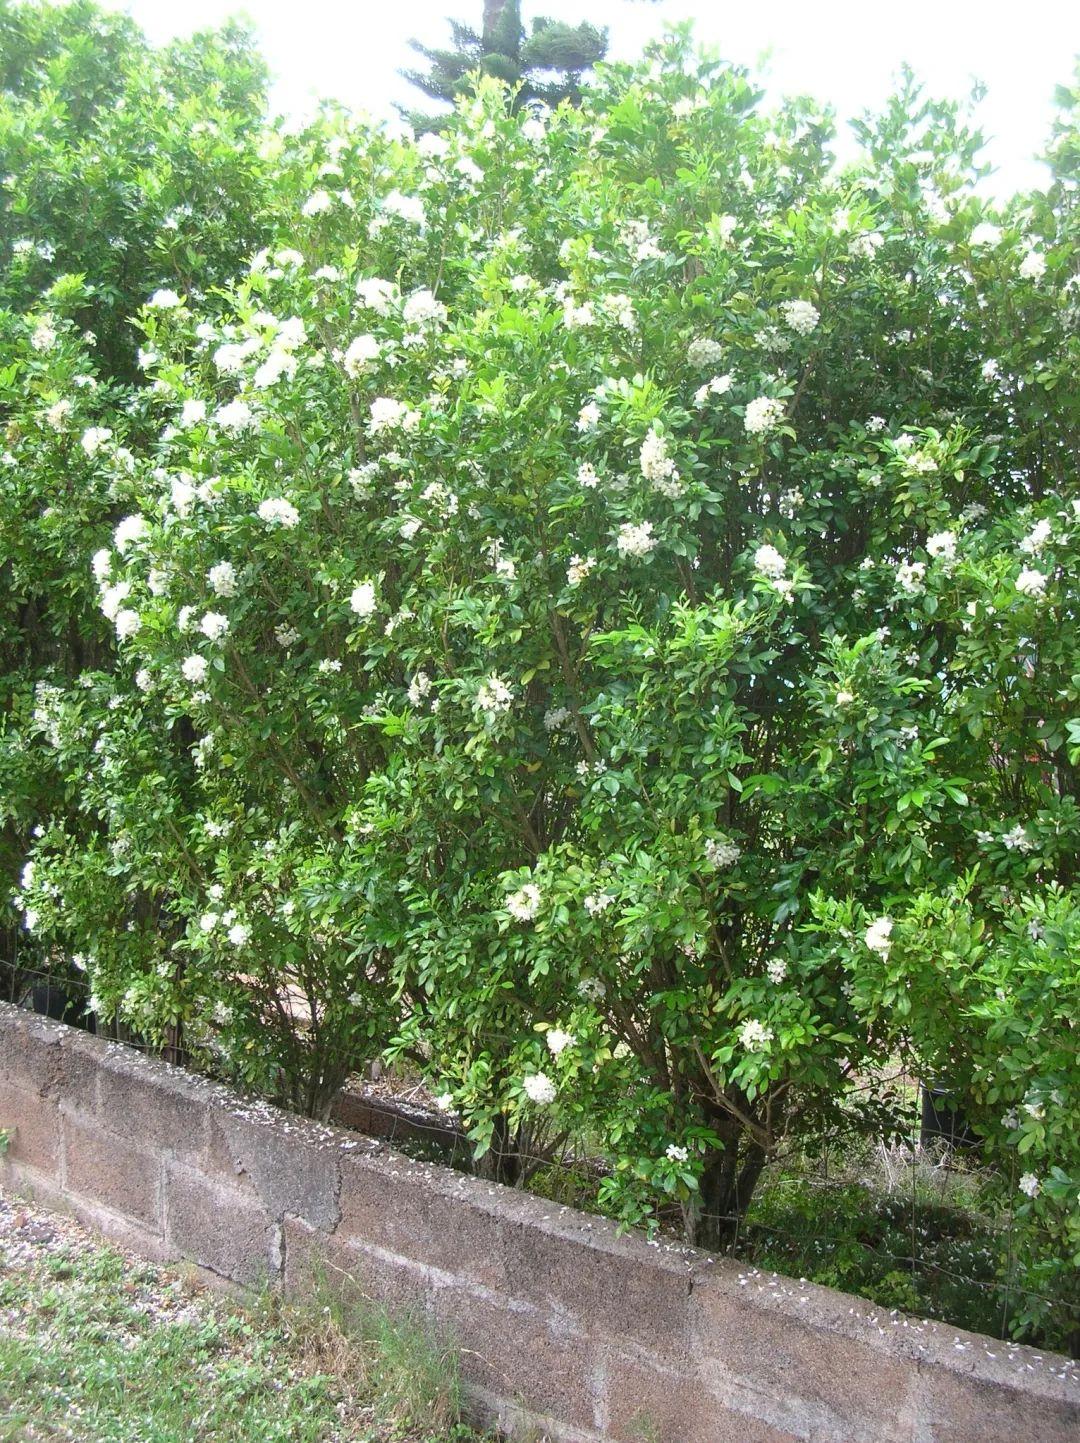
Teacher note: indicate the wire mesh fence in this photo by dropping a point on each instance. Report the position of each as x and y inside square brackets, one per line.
[914, 1222]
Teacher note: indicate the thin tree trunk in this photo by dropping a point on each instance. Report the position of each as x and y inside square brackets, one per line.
[493, 10]
[724, 1194]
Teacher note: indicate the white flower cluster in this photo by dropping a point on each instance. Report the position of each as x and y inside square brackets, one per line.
[276, 511]
[635, 540]
[878, 936]
[763, 415]
[363, 601]
[801, 316]
[718, 386]
[494, 696]
[721, 852]
[704, 352]
[657, 466]
[539, 1088]
[754, 1036]
[524, 904]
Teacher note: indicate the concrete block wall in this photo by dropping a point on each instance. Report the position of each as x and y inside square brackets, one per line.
[564, 1327]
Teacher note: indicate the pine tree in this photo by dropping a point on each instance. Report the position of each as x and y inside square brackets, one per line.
[547, 62]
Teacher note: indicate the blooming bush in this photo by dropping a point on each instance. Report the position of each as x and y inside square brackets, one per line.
[614, 579]
[125, 171]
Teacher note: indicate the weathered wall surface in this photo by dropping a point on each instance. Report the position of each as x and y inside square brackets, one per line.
[563, 1325]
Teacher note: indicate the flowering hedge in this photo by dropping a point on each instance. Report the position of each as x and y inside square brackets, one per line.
[597, 616]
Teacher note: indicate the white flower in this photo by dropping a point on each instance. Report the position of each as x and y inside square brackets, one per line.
[524, 903]
[127, 623]
[558, 1041]
[587, 477]
[1033, 267]
[762, 415]
[93, 438]
[238, 934]
[991, 370]
[144, 679]
[863, 246]
[539, 1088]
[1036, 538]
[280, 362]
[128, 530]
[875, 424]
[164, 300]
[556, 717]
[432, 145]
[986, 234]
[777, 970]
[419, 688]
[942, 544]
[1031, 583]
[657, 466]
[494, 696]
[844, 698]
[193, 411]
[405, 207]
[718, 386]
[275, 511]
[597, 902]
[317, 202]
[445, 1102]
[1030, 1185]
[328, 666]
[754, 1036]
[801, 316]
[58, 413]
[911, 576]
[363, 352]
[235, 416]
[214, 626]
[362, 600]
[102, 563]
[208, 921]
[386, 413]
[721, 852]
[635, 540]
[769, 562]
[588, 417]
[578, 569]
[194, 668]
[674, 1153]
[43, 337]
[222, 579]
[377, 295]
[703, 351]
[1017, 840]
[422, 309]
[878, 934]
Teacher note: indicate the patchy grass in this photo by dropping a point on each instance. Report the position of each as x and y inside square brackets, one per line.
[98, 1347]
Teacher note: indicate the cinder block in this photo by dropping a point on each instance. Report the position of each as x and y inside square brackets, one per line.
[769, 1340]
[115, 1172]
[958, 1407]
[219, 1228]
[645, 1401]
[292, 1166]
[141, 1098]
[34, 1125]
[30, 1049]
[418, 1211]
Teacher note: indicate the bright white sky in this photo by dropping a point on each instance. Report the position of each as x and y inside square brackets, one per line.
[843, 52]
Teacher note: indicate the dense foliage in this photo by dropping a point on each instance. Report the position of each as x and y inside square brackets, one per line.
[596, 605]
[124, 168]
